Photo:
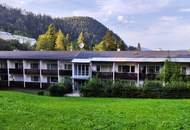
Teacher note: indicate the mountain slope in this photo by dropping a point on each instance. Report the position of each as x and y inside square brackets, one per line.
[28, 24]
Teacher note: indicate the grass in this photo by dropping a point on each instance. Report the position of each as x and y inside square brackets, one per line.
[21, 111]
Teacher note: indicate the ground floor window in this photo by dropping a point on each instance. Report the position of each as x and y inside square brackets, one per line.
[52, 79]
[35, 78]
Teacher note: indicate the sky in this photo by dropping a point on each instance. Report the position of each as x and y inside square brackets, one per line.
[155, 24]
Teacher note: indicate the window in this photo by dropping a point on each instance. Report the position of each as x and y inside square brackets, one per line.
[18, 65]
[183, 70]
[151, 69]
[34, 66]
[35, 78]
[98, 68]
[52, 79]
[3, 65]
[132, 69]
[68, 66]
[125, 69]
[82, 70]
[52, 66]
[157, 69]
[3, 77]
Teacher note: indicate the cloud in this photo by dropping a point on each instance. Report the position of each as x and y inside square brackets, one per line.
[13, 3]
[167, 33]
[184, 10]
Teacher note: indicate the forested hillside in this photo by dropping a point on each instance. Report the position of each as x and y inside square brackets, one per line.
[28, 24]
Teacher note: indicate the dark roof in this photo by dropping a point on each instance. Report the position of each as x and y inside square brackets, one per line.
[69, 55]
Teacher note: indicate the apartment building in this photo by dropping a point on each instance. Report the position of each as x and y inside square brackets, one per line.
[39, 69]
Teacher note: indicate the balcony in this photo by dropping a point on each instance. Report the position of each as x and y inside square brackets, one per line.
[49, 72]
[126, 76]
[65, 72]
[103, 75]
[32, 71]
[148, 76]
[3, 71]
[3, 84]
[32, 85]
[16, 71]
[17, 84]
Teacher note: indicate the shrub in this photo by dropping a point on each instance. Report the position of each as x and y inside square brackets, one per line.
[92, 88]
[40, 93]
[56, 90]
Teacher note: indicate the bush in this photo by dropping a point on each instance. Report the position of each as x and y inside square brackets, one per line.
[40, 93]
[56, 90]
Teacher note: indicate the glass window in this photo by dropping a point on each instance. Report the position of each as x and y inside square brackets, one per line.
[3, 77]
[132, 69]
[68, 66]
[34, 66]
[3, 65]
[119, 68]
[184, 70]
[52, 79]
[35, 78]
[125, 69]
[157, 70]
[18, 65]
[52, 66]
[151, 69]
[87, 70]
[98, 68]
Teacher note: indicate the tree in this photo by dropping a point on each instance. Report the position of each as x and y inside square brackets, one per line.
[100, 47]
[170, 72]
[68, 42]
[60, 41]
[81, 39]
[47, 41]
[139, 47]
[51, 35]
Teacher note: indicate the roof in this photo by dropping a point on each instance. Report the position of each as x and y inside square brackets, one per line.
[69, 55]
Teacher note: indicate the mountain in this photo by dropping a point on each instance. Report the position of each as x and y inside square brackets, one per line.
[24, 23]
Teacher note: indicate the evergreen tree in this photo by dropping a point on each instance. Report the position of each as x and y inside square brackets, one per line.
[59, 43]
[139, 47]
[80, 40]
[68, 42]
[100, 47]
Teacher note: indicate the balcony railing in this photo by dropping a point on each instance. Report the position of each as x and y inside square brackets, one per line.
[49, 72]
[16, 71]
[3, 84]
[65, 72]
[148, 76]
[17, 84]
[33, 85]
[103, 75]
[32, 71]
[3, 71]
[126, 76]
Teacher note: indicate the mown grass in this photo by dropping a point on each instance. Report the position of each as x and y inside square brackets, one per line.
[20, 111]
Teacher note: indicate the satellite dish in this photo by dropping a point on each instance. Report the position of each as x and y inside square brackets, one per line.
[81, 45]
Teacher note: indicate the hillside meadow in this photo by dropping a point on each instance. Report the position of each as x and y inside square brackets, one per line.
[21, 111]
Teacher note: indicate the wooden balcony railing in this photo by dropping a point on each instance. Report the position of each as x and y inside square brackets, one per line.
[65, 72]
[17, 84]
[32, 85]
[49, 72]
[16, 71]
[3, 71]
[103, 75]
[148, 76]
[126, 76]
[32, 71]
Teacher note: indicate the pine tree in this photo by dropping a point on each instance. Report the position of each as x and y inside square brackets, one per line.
[51, 35]
[81, 39]
[139, 47]
[68, 42]
[59, 43]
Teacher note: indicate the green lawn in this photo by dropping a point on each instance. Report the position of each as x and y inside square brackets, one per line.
[20, 111]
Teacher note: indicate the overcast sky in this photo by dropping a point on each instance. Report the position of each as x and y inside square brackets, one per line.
[154, 23]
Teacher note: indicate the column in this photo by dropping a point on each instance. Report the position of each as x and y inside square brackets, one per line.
[113, 71]
[73, 73]
[40, 74]
[24, 76]
[138, 75]
[58, 68]
[8, 63]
